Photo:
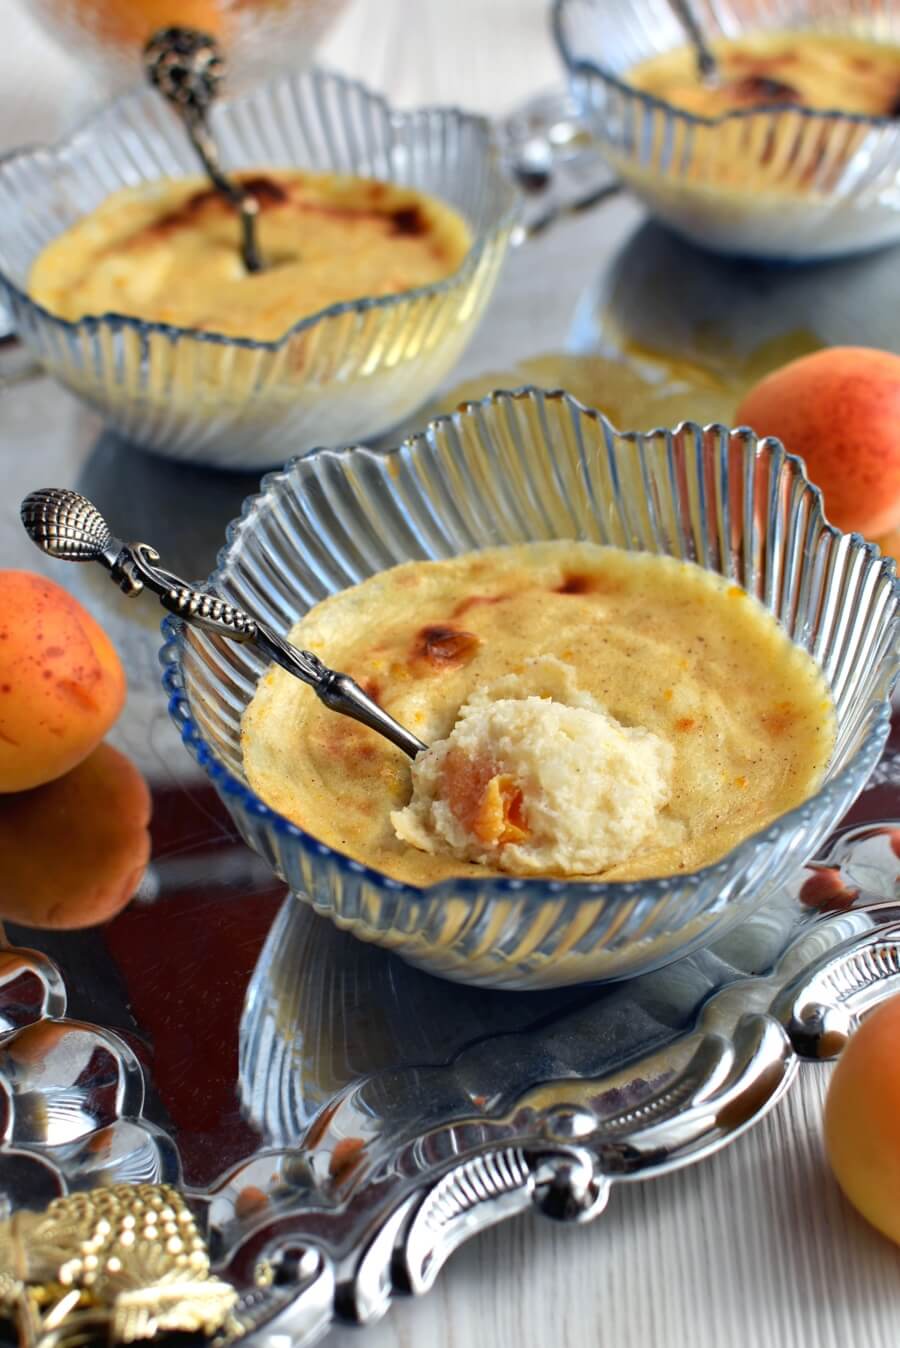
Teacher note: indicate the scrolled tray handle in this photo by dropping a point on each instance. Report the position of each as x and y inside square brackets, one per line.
[822, 1007]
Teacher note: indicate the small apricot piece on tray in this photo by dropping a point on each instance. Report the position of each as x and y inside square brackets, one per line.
[61, 683]
[75, 849]
[825, 889]
[862, 1119]
[839, 410]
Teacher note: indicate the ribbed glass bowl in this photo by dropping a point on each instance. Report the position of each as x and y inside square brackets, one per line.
[516, 467]
[782, 183]
[351, 370]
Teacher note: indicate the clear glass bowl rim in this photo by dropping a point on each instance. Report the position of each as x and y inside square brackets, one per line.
[581, 65]
[398, 116]
[536, 890]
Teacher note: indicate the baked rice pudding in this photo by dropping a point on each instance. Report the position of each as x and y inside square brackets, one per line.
[589, 712]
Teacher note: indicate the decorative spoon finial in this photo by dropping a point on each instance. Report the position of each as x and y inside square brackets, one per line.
[188, 67]
[68, 526]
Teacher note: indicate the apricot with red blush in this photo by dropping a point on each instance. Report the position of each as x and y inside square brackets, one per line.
[839, 410]
[62, 685]
[862, 1120]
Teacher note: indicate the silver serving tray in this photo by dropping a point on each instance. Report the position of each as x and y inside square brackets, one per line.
[333, 1115]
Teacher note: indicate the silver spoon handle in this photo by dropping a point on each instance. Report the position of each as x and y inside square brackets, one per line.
[187, 67]
[245, 204]
[66, 525]
[706, 61]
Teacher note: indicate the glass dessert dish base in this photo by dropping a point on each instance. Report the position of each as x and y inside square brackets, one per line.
[512, 468]
[351, 370]
[783, 183]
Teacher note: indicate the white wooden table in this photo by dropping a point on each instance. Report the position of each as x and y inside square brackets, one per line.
[754, 1248]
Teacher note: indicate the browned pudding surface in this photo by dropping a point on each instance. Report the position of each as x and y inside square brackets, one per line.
[169, 252]
[662, 646]
[791, 69]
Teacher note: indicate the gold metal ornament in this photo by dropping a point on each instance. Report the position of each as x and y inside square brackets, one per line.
[127, 1259]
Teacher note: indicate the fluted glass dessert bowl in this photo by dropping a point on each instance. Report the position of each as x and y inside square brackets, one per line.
[782, 183]
[527, 466]
[353, 369]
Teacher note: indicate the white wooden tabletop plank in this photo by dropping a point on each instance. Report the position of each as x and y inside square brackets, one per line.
[754, 1248]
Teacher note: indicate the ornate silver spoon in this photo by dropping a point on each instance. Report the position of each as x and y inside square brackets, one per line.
[707, 65]
[68, 526]
[187, 67]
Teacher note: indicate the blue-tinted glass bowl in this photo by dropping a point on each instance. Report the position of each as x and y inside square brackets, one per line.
[534, 465]
[349, 371]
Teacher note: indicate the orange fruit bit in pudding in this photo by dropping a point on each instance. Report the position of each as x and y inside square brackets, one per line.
[488, 804]
[501, 816]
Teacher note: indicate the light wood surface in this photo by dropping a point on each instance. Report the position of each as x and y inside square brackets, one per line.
[754, 1248]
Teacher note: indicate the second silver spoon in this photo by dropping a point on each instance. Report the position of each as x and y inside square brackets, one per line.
[68, 526]
[707, 65]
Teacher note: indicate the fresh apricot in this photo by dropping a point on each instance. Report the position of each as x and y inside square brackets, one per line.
[74, 850]
[839, 410]
[131, 22]
[61, 683]
[862, 1119]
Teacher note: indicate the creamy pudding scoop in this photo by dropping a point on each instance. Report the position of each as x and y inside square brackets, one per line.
[537, 778]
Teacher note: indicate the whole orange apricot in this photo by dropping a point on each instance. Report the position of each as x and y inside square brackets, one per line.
[131, 22]
[839, 409]
[61, 683]
[862, 1119]
[74, 850]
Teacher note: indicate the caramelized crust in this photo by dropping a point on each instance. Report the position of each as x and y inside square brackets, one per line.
[810, 70]
[660, 645]
[168, 252]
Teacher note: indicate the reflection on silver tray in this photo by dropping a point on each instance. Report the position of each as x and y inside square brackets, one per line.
[391, 1115]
